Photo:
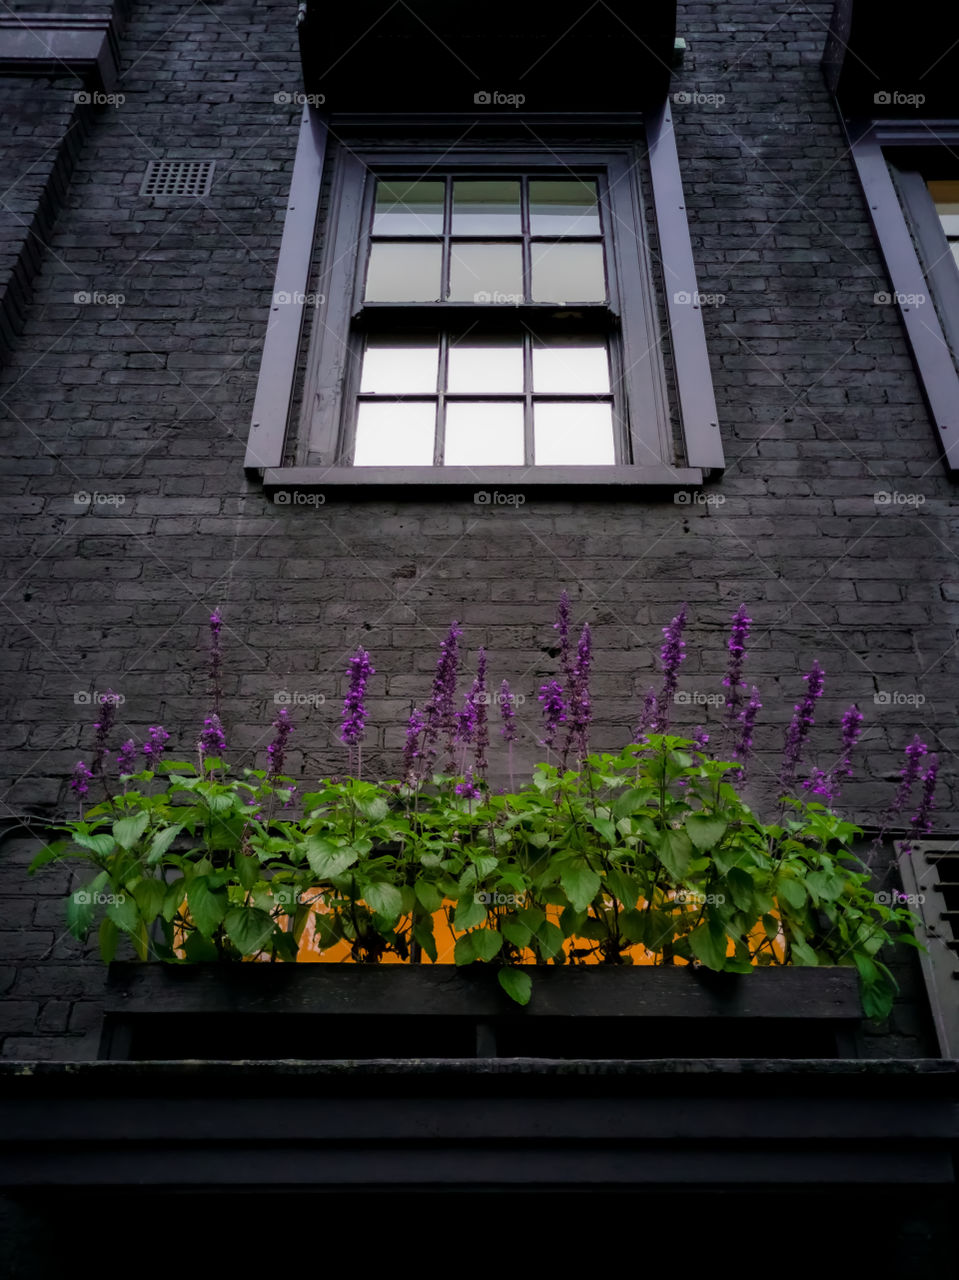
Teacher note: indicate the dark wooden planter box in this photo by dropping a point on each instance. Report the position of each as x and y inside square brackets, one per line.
[331, 1011]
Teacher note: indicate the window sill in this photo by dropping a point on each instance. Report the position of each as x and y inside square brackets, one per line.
[500, 485]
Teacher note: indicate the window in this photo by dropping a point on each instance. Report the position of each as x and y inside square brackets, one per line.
[910, 177]
[487, 314]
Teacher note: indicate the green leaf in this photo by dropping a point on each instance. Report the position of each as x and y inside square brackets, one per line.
[374, 809]
[108, 937]
[463, 951]
[515, 932]
[581, 885]
[384, 899]
[248, 928]
[517, 984]
[792, 891]
[708, 944]
[428, 896]
[605, 827]
[486, 943]
[327, 859]
[469, 912]
[632, 925]
[161, 842]
[206, 907]
[423, 933]
[550, 938]
[771, 926]
[532, 917]
[149, 895]
[124, 912]
[740, 885]
[49, 853]
[127, 831]
[173, 900]
[675, 853]
[803, 952]
[102, 845]
[705, 830]
[82, 906]
[247, 870]
[623, 887]
[325, 933]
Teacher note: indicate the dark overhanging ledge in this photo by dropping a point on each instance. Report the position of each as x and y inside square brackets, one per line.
[84, 45]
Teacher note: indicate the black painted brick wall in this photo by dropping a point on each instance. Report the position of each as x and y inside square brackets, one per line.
[147, 401]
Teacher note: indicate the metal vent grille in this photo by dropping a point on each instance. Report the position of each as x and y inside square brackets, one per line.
[178, 178]
[931, 873]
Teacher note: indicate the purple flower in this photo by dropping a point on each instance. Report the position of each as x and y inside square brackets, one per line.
[747, 720]
[104, 723]
[482, 714]
[82, 777]
[801, 723]
[671, 656]
[155, 745]
[700, 738]
[212, 740]
[851, 729]
[440, 713]
[562, 626]
[354, 712]
[733, 679]
[554, 709]
[921, 820]
[411, 750]
[909, 773]
[127, 757]
[216, 659]
[580, 708]
[468, 787]
[820, 784]
[507, 711]
[647, 717]
[276, 751]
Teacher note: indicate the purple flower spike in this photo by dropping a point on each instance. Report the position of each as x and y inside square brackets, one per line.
[508, 712]
[554, 709]
[468, 787]
[801, 723]
[700, 738]
[155, 745]
[921, 820]
[580, 708]
[440, 713]
[81, 779]
[276, 751]
[482, 715]
[820, 784]
[909, 773]
[354, 712]
[733, 679]
[104, 724]
[671, 656]
[562, 626]
[127, 757]
[747, 720]
[411, 750]
[212, 740]
[647, 717]
[216, 659]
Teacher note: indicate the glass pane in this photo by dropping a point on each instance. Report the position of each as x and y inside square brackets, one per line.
[492, 365]
[563, 208]
[573, 434]
[945, 195]
[408, 209]
[568, 273]
[484, 434]
[950, 224]
[392, 366]
[404, 273]
[575, 366]
[954, 246]
[486, 273]
[486, 209]
[396, 433]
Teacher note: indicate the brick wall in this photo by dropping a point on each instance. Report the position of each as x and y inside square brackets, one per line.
[146, 402]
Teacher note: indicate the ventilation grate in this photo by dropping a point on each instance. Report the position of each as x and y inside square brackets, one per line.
[178, 178]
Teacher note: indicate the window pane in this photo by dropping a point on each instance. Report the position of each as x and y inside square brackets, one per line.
[567, 208]
[493, 365]
[486, 273]
[395, 434]
[408, 209]
[568, 273]
[392, 366]
[573, 434]
[945, 195]
[484, 435]
[404, 273]
[571, 365]
[486, 209]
